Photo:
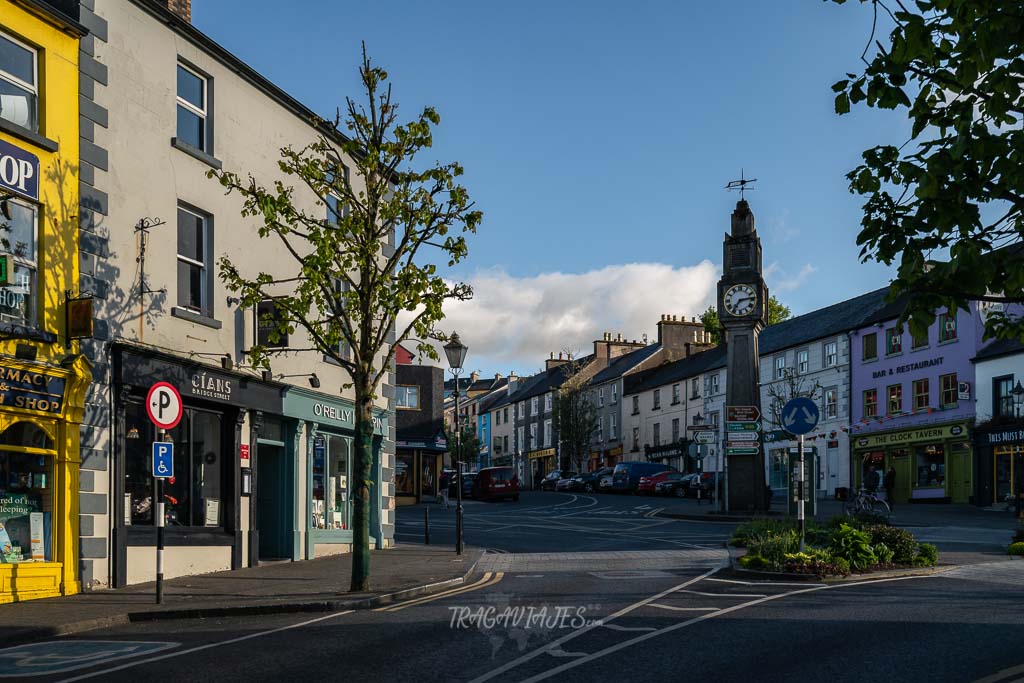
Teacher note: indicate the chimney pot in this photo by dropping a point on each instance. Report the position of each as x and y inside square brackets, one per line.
[180, 8]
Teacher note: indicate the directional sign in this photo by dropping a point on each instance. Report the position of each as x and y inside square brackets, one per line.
[163, 405]
[742, 444]
[743, 436]
[800, 415]
[705, 437]
[742, 451]
[742, 413]
[163, 460]
[742, 426]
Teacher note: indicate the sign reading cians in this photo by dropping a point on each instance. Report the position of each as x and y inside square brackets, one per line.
[19, 171]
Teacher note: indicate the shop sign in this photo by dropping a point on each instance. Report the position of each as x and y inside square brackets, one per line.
[1014, 435]
[31, 390]
[541, 454]
[343, 415]
[205, 385]
[614, 452]
[909, 367]
[243, 454]
[910, 436]
[19, 171]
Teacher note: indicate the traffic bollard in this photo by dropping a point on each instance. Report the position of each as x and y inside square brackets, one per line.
[426, 525]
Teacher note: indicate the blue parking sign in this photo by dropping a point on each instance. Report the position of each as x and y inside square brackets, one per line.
[163, 459]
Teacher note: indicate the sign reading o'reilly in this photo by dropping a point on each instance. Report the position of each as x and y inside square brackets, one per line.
[19, 171]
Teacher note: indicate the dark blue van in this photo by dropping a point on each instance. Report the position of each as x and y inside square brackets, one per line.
[627, 475]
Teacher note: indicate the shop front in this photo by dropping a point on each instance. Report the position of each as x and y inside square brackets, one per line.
[323, 436]
[606, 458]
[541, 463]
[418, 469]
[41, 410]
[1000, 466]
[673, 454]
[212, 516]
[932, 464]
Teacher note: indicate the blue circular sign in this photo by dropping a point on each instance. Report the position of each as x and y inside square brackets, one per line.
[800, 415]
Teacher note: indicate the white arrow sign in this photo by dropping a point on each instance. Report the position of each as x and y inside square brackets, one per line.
[743, 436]
[791, 419]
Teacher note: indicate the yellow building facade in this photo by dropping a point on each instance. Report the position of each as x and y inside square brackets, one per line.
[43, 378]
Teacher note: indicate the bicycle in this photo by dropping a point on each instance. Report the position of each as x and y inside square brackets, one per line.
[866, 503]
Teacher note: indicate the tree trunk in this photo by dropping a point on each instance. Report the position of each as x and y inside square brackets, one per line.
[361, 489]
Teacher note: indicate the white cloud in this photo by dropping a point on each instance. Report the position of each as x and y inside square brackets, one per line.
[781, 281]
[514, 323]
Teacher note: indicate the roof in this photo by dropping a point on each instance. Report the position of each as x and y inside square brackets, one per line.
[625, 363]
[669, 373]
[1000, 347]
[841, 317]
[553, 378]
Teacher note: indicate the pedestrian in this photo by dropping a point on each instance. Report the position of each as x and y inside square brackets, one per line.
[871, 480]
[890, 487]
[443, 491]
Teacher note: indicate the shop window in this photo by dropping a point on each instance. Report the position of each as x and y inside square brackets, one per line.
[930, 465]
[26, 507]
[192, 108]
[18, 237]
[331, 471]
[407, 397]
[19, 86]
[871, 403]
[895, 393]
[194, 279]
[195, 495]
[947, 327]
[26, 434]
[504, 443]
[921, 394]
[870, 346]
[871, 465]
[893, 341]
[405, 468]
[831, 354]
[949, 390]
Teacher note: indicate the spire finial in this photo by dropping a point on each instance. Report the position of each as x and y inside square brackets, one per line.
[740, 184]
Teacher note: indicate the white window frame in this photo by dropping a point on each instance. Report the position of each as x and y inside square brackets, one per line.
[615, 393]
[656, 400]
[522, 409]
[612, 427]
[201, 113]
[656, 434]
[803, 361]
[780, 367]
[600, 428]
[404, 389]
[547, 402]
[714, 384]
[600, 397]
[547, 433]
[520, 446]
[695, 388]
[534, 404]
[533, 436]
[831, 406]
[14, 80]
[204, 286]
[675, 393]
[675, 429]
[831, 354]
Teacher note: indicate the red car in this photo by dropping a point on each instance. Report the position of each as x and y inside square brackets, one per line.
[647, 484]
[496, 482]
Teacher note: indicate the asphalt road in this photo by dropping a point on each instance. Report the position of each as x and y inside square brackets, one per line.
[584, 595]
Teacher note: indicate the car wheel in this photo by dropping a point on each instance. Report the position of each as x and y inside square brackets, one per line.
[681, 493]
[589, 488]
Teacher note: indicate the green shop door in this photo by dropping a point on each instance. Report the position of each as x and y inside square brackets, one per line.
[900, 461]
[960, 484]
[273, 503]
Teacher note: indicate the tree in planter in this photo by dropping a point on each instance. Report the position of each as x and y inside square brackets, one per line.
[338, 279]
[957, 183]
[574, 416]
[777, 312]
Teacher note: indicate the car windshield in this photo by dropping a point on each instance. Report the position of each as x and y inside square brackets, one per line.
[673, 476]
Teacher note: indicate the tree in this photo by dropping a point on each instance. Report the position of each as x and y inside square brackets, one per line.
[792, 385]
[338, 279]
[574, 417]
[957, 183]
[777, 312]
[466, 449]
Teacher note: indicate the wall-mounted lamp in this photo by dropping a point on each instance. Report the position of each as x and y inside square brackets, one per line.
[314, 381]
[233, 300]
[226, 361]
[5, 207]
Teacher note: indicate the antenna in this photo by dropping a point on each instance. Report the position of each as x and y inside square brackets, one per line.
[740, 184]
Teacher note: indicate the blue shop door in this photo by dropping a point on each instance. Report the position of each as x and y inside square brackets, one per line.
[274, 507]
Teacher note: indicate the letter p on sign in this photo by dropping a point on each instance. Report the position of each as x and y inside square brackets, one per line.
[163, 405]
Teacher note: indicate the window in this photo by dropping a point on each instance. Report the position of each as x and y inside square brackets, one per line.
[657, 399]
[947, 327]
[335, 209]
[895, 392]
[921, 394]
[600, 397]
[340, 288]
[636, 438]
[780, 367]
[656, 437]
[600, 428]
[268, 321]
[522, 409]
[871, 403]
[504, 443]
[19, 89]
[193, 252]
[407, 397]
[331, 472]
[533, 437]
[520, 446]
[615, 393]
[534, 403]
[636, 405]
[1002, 388]
[870, 342]
[547, 433]
[695, 388]
[831, 403]
[675, 429]
[675, 394]
[497, 418]
[18, 299]
[931, 466]
[27, 491]
[192, 98]
[893, 341]
[547, 402]
[801, 361]
[949, 390]
[612, 427]
[831, 354]
[714, 384]
[919, 342]
[505, 416]
[196, 495]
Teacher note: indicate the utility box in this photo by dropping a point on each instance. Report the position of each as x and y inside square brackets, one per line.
[810, 477]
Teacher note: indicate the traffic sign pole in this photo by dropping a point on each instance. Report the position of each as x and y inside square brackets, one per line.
[160, 521]
[800, 503]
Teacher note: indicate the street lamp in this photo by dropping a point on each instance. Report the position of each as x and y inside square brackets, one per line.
[455, 350]
[1018, 400]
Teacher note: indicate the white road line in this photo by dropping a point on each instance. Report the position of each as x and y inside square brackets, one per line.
[727, 595]
[1002, 675]
[684, 609]
[766, 583]
[563, 653]
[616, 627]
[199, 648]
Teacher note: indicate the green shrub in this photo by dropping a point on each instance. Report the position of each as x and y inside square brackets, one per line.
[852, 545]
[759, 527]
[754, 562]
[871, 519]
[816, 561]
[838, 520]
[883, 552]
[927, 555]
[1016, 548]
[774, 546]
[900, 541]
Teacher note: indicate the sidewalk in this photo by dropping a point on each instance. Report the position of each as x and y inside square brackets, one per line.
[308, 586]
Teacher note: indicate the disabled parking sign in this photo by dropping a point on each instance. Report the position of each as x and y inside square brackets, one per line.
[163, 459]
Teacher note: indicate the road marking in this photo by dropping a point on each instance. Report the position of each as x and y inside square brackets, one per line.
[1002, 675]
[60, 656]
[684, 609]
[563, 653]
[654, 512]
[483, 582]
[616, 627]
[727, 595]
[199, 648]
[529, 576]
[767, 583]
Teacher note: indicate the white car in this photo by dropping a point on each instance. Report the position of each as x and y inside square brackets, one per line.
[605, 483]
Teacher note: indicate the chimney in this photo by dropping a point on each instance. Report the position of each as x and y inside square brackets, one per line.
[473, 377]
[181, 8]
[554, 362]
[680, 337]
[497, 376]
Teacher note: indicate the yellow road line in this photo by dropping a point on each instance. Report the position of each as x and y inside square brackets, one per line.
[487, 580]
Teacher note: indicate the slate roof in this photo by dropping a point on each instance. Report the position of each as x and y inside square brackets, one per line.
[624, 364]
[841, 317]
[669, 373]
[1000, 347]
[552, 379]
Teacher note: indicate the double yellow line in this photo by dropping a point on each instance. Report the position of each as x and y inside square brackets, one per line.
[488, 579]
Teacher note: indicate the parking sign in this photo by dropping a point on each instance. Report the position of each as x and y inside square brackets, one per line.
[163, 459]
[163, 405]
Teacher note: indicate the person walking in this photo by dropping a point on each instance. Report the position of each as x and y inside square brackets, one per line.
[890, 487]
[871, 480]
[442, 493]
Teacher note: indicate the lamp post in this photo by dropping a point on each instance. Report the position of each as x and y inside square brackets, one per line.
[1018, 400]
[455, 350]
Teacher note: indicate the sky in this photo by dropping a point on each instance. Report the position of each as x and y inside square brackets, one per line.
[597, 138]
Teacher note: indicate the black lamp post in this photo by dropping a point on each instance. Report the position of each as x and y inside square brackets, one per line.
[1018, 400]
[455, 350]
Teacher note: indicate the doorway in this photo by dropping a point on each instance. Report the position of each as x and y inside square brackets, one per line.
[1005, 473]
[274, 507]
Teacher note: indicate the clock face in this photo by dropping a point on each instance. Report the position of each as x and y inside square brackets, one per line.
[740, 300]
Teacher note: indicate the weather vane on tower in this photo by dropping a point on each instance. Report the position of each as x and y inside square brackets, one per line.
[740, 184]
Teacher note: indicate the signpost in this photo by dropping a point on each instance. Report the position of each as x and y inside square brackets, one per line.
[800, 416]
[164, 407]
[704, 437]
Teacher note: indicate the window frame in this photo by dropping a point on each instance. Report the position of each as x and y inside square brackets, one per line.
[656, 434]
[943, 319]
[831, 411]
[893, 341]
[780, 367]
[998, 398]
[675, 429]
[206, 280]
[31, 264]
[203, 114]
[636, 404]
[830, 359]
[613, 427]
[803, 361]
[404, 388]
[922, 388]
[889, 399]
[873, 336]
[872, 393]
[695, 388]
[614, 394]
[36, 126]
[547, 433]
[954, 390]
[675, 394]
[656, 400]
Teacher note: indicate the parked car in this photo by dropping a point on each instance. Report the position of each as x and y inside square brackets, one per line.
[588, 482]
[674, 486]
[705, 483]
[496, 482]
[604, 483]
[467, 485]
[648, 483]
[626, 476]
[549, 481]
[564, 482]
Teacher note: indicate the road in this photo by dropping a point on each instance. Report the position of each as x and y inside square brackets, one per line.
[590, 588]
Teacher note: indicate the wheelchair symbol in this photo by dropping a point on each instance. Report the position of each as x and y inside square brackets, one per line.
[162, 468]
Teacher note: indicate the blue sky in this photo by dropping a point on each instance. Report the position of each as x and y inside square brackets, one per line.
[596, 135]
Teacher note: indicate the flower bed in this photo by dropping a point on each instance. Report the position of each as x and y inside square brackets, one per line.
[838, 548]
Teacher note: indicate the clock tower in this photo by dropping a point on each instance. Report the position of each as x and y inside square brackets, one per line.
[743, 313]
